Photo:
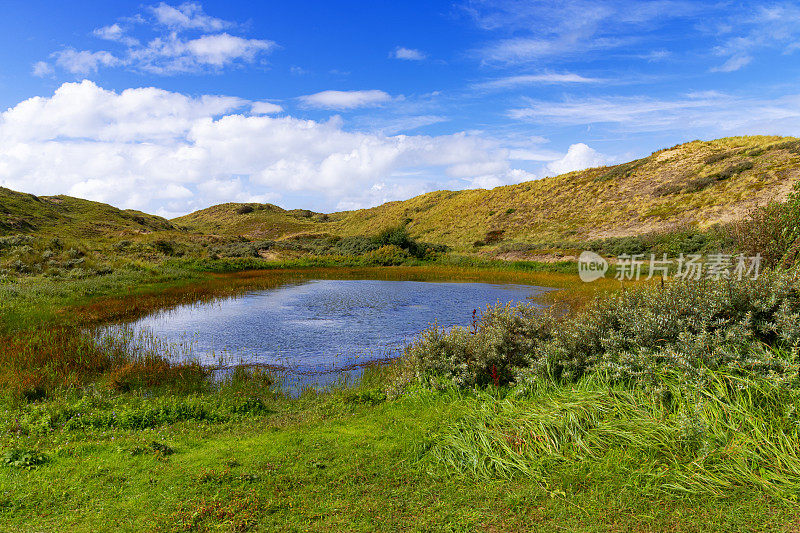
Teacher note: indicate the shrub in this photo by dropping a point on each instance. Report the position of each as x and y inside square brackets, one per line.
[622, 171]
[121, 246]
[15, 240]
[732, 170]
[790, 146]
[494, 236]
[716, 158]
[704, 182]
[667, 189]
[165, 247]
[683, 240]
[19, 458]
[489, 354]
[387, 255]
[762, 232]
[698, 184]
[772, 231]
[631, 336]
[355, 246]
[399, 237]
[245, 209]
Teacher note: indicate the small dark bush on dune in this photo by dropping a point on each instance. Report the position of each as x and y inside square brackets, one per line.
[401, 238]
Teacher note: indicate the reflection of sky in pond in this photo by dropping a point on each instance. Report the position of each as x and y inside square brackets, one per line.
[325, 324]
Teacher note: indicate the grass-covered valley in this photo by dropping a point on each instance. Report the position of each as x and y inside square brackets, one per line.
[620, 406]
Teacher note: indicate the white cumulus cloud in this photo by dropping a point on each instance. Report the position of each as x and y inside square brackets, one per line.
[578, 157]
[84, 62]
[265, 108]
[169, 153]
[176, 48]
[42, 69]
[188, 15]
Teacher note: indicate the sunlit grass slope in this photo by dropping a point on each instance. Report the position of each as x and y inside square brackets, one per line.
[64, 216]
[697, 183]
[257, 221]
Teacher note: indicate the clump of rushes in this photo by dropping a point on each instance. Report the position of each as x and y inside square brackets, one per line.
[733, 432]
[36, 363]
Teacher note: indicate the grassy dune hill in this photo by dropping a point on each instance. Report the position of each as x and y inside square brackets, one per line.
[697, 183]
[694, 184]
[65, 216]
[256, 221]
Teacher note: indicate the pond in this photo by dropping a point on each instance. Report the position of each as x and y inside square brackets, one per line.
[316, 330]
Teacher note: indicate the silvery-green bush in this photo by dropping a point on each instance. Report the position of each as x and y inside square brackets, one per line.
[690, 326]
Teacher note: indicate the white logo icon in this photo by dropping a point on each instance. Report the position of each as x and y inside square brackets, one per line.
[591, 266]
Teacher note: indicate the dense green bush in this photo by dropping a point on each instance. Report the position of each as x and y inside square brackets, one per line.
[771, 231]
[399, 237]
[387, 255]
[355, 246]
[240, 249]
[633, 335]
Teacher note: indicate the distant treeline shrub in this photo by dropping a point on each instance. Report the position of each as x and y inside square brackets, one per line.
[687, 240]
[240, 248]
[331, 245]
[400, 237]
[358, 245]
[631, 336]
[387, 255]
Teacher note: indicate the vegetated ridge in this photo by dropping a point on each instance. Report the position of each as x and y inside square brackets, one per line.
[696, 184]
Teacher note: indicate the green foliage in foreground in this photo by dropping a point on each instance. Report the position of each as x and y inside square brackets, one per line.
[578, 457]
[730, 434]
[670, 408]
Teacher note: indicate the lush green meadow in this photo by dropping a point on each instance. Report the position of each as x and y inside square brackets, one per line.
[352, 460]
[118, 441]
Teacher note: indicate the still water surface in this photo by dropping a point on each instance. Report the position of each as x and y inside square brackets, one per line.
[324, 327]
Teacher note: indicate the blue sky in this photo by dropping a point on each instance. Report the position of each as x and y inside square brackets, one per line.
[170, 107]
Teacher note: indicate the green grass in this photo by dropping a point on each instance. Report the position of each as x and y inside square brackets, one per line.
[331, 462]
[109, 450]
